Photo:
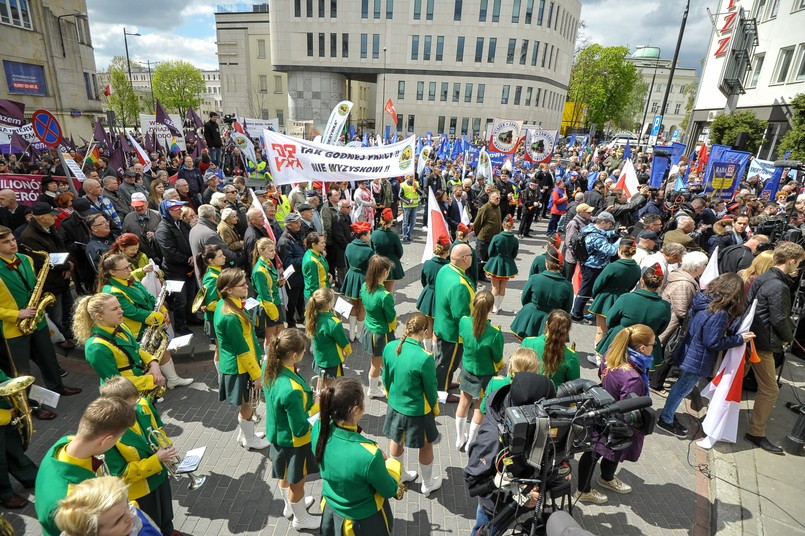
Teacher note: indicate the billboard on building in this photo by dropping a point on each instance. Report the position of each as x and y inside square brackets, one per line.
[25, 78]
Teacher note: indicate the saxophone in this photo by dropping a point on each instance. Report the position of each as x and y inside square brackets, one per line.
[155, 341]
[15, 391]
[38, 300]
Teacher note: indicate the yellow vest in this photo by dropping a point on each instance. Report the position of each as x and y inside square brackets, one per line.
[283, 208]
[410, 192]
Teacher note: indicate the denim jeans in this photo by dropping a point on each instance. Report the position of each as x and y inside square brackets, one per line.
[682, 388]
[481, 519]
[215, 155]
[409, 222]
[588, 277]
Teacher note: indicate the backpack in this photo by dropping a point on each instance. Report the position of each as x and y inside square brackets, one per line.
[578, 247]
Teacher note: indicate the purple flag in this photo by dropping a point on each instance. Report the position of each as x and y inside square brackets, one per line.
[100, 134]
[117, 161]
[12, 113]
[147, 145]
[124, 144]
[84, 140]
[165, 119]
[193, 117]
[19, 142]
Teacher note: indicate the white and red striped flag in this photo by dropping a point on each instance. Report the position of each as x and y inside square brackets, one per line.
[711, 271]
[628, 179]
[437, 226]
[724, 392]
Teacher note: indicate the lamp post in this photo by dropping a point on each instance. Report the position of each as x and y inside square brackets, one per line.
[383, 96]
[78, 15]
[650, 91]
[673, 62]
[128, 60]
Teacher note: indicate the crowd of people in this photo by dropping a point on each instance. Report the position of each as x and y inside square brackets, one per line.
[105, 254]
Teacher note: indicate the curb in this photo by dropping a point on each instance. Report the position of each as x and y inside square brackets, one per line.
[727, 509]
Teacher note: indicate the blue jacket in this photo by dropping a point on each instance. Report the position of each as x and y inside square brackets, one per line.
[599, 250]
[708, 334]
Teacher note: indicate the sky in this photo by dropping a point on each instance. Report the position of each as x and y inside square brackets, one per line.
[189, 34]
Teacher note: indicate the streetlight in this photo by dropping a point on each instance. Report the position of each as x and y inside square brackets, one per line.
[78, 15]
[128, 60]
[383, 97]
[673, 61]
[151, 83]
[650, 91]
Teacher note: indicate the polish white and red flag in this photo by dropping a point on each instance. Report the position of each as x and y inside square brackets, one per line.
[437, 226]
[628, 179]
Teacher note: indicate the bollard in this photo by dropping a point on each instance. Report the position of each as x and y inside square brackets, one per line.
[794, 442]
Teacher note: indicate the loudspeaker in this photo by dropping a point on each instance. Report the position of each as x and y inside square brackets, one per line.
[741, 140]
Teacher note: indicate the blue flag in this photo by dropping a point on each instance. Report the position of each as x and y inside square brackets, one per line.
[725, 167]
[773, 184]
[572, 140]
[627, 153]
[365, 139]
[591, 178]
[388, 133]
[442, 153]
[351, 132]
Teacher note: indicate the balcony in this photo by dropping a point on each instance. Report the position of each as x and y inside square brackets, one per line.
[242, 8]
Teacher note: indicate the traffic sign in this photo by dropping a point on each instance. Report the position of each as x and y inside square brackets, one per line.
[655, 126]
[46, 128]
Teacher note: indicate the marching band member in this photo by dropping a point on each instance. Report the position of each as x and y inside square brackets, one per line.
[501, 265]
[214, 259]
[616, 279]
[134, 460]
[13, 461]
[381, 318]
[482, 358]
[289, 403]
[267, 283]
[73, 459]
[430, 270]
[409, 375]
[386, 242]
[138, 308]
[558, 362]
[330, 342]
[462, 237]
[128, 244]
[315, 269]
[240, 353]
[357, 255]
[355, 494]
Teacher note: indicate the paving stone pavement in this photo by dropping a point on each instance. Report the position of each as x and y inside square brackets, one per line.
[240, 497]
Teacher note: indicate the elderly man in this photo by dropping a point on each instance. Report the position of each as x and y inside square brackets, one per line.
[669, 256]
[12, 214]
[183, 189]
[100, 238]
[315, 217]
[584, 214]
[232, 200]
[681, 235]
[143, 222]
[255, 231]
[173, 237]
[453, 300]
[600, 250]
[111, 191]
[271, 218]
[487, 224]
[306, 211]
[129, 185]
[100, 205]
[211, 180]
[195, 181]
[205, 233]
[291, 249]
[329, 212]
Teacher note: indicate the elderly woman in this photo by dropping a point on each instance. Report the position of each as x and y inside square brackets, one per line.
[218, 200]
[171, 195]
[228, 231]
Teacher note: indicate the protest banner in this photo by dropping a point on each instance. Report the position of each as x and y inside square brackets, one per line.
[505, 135]
[27, 187]
[335, 125]
[163, 134]
[764, 169]
[254, 127]
[299, 129]
[539, 145]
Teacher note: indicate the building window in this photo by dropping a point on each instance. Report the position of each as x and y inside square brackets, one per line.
[516, 12]
[453, 122]
[429, 8]
[375, 46]
[426, 51]
[504, 95]
[493, 44]
[677, 108]
[333, 45]
[389, 9]
[264, 113]
[439, 48]
[410, 123]
[417, 9]
[333, 9]
[344, 45]
[528, 92]
[774, 8]
[479, 96]
[88, 87]
[483, 10]
[468, 92]
[401, 90]
[440, 125]
[524, 52]
[540, 12]
[460, 48]
[654, 107]
[364, 45]
[420, 90]
[321, 9]
[309, 8]
[518, 91]
[550, 14]
[465, 124]
[800, 75]
[364, 9]
[377, 9]
[495, 10]
[399, 120]
[432, 92]
[456, 91]
[310, 44]
[297, 8]
[476, 125]
[544, 55]
[277, 83]
[443, 92]
[535, 54]
[457, 9]
[783, 65]
[510, 51]
[321, 45]
[536, 99]
[280, 117]
[261, 49]
[529, 11]
[479, 49]
[414, 47]
[263, 79]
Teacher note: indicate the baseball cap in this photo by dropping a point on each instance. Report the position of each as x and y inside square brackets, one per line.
[292, 217]
[173, 203]
[41, 208]
[82, 206]
[583, 207]
[138, 199]
[605, 216]
[304, 206]
[648, 235]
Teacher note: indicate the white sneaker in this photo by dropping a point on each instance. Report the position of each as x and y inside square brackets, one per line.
[431, 486]
[178, 381]
[302, 520]
[247, 439]
[288, 512]
[408, 476]
[372, 392]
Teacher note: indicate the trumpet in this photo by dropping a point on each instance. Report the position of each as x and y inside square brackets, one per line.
[254, 400]
[103, 470]
[158, 439]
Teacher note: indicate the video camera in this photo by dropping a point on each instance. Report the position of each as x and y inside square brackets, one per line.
[229, 119]
[539, 439]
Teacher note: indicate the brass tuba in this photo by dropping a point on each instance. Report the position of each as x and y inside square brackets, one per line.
[5, 527]
[155, 341]
[15, 391]
[39, 300]
[158, 439]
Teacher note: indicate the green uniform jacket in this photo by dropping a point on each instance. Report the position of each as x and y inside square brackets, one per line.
[484, 356]
[266, 287]
[638, 307]
[123, 357]
[494, 384]
[238, 354]
[55, 481]
[315, 270]
[410, 378]
[357, 481]
[381, 316]
[137, 303]
[616, 279]
[387, 243]
[132, 457]
[211, 296]
[568, 369]
[14, 294]
[472, 271]
[357, 256]
[454, 295]
[289, 400]
[543, 293]
[331, 345]
[427, 277]
[503, 249]
[538, 265]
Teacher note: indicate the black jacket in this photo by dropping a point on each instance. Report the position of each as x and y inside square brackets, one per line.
[38, 239]
[173, 238]
[250, 238]
[734, 258]
[291, 250]
[341, 231]
[212, 134]
[772, 324]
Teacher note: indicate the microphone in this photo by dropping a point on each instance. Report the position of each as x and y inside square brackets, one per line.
[621, 406]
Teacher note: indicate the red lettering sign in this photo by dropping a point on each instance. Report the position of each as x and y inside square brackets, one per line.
[726, 28]
[729, 22]
[286, 156]
[723, 44]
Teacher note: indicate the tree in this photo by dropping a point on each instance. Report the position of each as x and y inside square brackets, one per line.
[123, 100]
[689, 90]
[794, 139]
[178, 85]
[602, 79]
[725, 129]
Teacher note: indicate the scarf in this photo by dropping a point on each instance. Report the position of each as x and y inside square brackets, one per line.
[641, 363]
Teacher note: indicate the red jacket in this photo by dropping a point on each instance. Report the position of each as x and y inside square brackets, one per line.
[559, 205]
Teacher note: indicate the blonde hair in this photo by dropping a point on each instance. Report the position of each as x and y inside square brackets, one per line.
[79, 513]
[632, 336]
[259, 248]
[523, 360]
[482, 305]
[762, 263]
[119, 387]
[84, 314]
[321, 300]
[416, 324]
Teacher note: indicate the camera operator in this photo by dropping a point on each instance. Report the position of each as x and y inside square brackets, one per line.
[526, 388]
[740, 256]
[625, 371]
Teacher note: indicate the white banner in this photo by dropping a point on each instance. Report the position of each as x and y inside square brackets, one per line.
[245, 144]
[142, 156]
[254, 127]
[336, 123]
[293, 160]
[27, 133]
[75, 169]
[298, 129]
[763, 168]
[505, 135]
[149, 124]
[539, 144]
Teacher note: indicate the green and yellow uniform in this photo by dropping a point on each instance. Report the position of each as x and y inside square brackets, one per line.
[211, 296]
[503, 249]
[616, 279]
[472, 271]
[356, 484]
[115, 352]
[569, 367]
[482, 357]
[357, 255]
[315, 271]
[239, 351]
[12, 456]
[424, 304]
[494, 384]
[452, 301]
[266, 286]
[381, 319]
[137, 304]
[387, 243]
[17, 280]
[330, 345]
[138, 263]
[543, 293]
[410, 378]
